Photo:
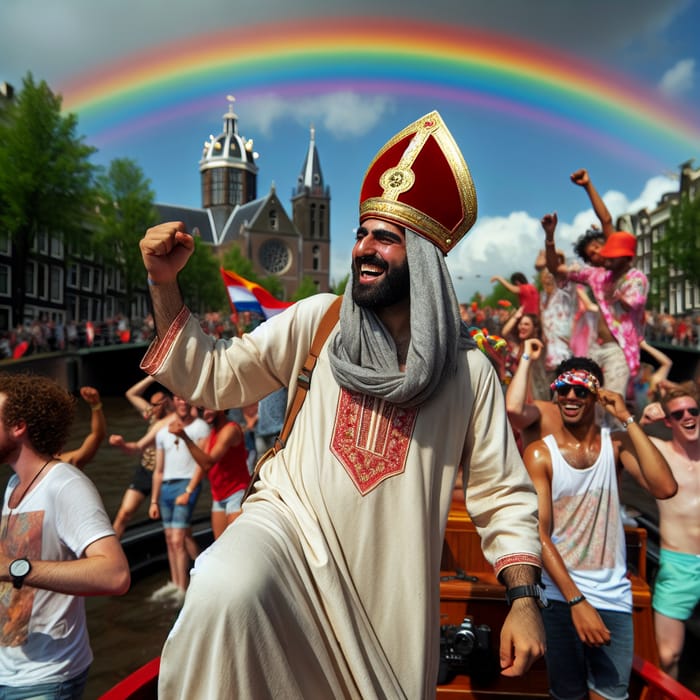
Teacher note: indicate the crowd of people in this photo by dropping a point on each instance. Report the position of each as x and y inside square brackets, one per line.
[299, 595]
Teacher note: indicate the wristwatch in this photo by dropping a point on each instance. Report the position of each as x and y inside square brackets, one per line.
[19, 569]
[530, 591]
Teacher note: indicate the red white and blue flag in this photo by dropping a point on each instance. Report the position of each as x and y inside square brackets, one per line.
[245, 295]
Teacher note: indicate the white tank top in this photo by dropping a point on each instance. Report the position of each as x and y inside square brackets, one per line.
[587, 528]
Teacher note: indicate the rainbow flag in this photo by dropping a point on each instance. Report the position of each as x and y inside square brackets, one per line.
[245, 295]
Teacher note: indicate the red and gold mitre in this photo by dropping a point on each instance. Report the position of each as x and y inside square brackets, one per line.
[419, 180]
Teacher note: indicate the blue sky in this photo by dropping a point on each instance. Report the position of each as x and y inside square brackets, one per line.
[521, 167]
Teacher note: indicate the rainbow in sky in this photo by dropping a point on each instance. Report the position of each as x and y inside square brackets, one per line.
[383, 57]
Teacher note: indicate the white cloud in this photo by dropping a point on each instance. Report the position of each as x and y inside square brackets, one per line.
[680, 79]
[506, 244]
[343, 114]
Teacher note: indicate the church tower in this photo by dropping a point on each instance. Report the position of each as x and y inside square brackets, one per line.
[228, 170]
[311, 215]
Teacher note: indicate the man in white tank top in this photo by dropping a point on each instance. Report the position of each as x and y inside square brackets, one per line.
[575, 471]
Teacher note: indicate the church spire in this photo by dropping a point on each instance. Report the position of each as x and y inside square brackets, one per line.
[310, 179]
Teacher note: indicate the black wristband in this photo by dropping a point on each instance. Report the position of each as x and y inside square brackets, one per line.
[576, 600]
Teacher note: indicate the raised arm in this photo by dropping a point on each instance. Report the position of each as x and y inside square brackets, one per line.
[135, 397]
[522, 414]
[551, 256]
[165, 250]
[665, 364]
[511, 322]
[581, 178]
[513, 288]
[637, 453]
[82, 455]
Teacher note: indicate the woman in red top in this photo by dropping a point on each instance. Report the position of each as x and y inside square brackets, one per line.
[224, 461]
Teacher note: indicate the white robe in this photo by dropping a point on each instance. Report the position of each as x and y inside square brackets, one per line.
[327, 586]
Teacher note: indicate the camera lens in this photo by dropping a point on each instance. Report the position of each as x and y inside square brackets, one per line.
[464, 641]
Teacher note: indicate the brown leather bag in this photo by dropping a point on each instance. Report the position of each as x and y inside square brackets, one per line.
[330, 318]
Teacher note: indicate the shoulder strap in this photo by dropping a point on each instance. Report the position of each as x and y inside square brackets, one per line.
[330, 318]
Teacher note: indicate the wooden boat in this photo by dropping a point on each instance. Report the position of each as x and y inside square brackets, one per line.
[483, 601]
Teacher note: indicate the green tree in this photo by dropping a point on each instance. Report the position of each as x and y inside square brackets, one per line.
[126, 210]
[273, 285]
[678, 251]
[236, 262]
[200, 280]
[307, 288]
[497, 293]
[46, 178]
[340, 287]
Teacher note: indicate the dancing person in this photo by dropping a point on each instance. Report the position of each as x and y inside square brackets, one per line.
[620, 291]
[158, 411]
[176, 473]
[575, 471]
[301, 592]
[224, 461]
[528, 296]
[677, 583]
[519, 328]
[57, 546]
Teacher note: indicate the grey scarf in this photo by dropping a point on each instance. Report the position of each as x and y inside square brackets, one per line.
[363, 355]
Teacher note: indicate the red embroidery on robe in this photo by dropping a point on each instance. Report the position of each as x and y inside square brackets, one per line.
[371, 438]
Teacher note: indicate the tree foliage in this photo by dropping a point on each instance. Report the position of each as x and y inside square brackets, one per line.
[498, 293]
[235, 261]
[46, 177]
[200, 280]
[307, 288]
[339, 288]
[678, 250]
[125, 210]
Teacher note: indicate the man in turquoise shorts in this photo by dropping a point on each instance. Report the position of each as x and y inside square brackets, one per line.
[677, 586]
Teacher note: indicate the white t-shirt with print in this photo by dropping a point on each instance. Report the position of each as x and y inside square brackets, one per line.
[43, 634]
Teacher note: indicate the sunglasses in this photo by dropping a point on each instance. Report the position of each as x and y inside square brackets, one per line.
[580, 391]
[693, 411]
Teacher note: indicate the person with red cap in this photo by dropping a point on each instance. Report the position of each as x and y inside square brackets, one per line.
[620, 291]
[327, 584]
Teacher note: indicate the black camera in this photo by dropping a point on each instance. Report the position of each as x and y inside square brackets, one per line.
[465, 649]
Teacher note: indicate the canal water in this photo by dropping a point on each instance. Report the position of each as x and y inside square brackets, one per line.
[128, 631]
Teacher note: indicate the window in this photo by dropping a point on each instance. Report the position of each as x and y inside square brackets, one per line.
[5, 243]
[86, 278]
[42, 281]
[30, 279]
[316, 252]
[56, 247]
[72, 276]
[5, 280]
[322, 221]
[41, 242]
[56, 285]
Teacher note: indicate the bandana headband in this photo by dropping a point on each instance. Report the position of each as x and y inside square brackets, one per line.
[577, 377]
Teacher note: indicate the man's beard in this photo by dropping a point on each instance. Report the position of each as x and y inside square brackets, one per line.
[393, 288]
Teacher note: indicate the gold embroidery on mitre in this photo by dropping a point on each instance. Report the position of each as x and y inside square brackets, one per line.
[395, 181]
[400, 178]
